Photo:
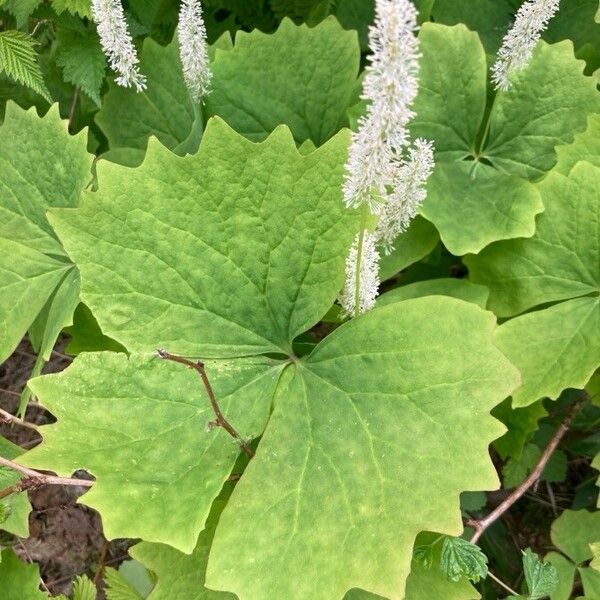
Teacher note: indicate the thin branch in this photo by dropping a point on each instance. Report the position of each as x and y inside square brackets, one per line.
[502, 584]
[480, 525]
[30, 559]
[220, 420]
[6, 417]
[34, 478]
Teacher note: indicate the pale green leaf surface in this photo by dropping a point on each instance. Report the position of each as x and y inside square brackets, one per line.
[566, 575]
[505, 205]
[32, 261]
[228, 235]
[56, 314]
[138, 424]
[548, 103]
[585, 146]
[18, 580]
[301, 77]
[164, 109]
[26, 285]
[82, 61]
[181, 576]
[450, 109]
[382, 394]
[554, 348]
[562, 259]
[591, 582]
[16, 507]
[456, 288]
[415, 243]
[573, 532]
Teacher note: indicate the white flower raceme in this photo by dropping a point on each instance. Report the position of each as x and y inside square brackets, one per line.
[362, 268]
[383, 176]
[117, 43]
[408, 192]
[517, 48]
[193, 49]
[390, 87]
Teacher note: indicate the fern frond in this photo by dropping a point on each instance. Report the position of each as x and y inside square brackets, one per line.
[18, 61]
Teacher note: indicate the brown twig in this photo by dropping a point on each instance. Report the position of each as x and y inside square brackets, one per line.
[480, 525]
[502, 584]
[6, 417]
[220, 420]
[30, 559]
[34, 478]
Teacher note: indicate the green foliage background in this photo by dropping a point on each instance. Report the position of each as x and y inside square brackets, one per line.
[136, 221]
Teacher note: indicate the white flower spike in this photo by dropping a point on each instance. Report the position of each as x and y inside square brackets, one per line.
[117, 43]
[193, 49]
[517, 47]
[407, 194]
[380, 178]
[390, 87]
[368, 275]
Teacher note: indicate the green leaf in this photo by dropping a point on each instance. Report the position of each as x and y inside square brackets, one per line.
[117, 587]
[86, 335]
[84, 589]
[18, 580]
[521, 424]
[18, 61]
[548, 103]
[164, 109]
[227, 245]
[82, 61]
[16, 507]
[585, 146]
[554, 348]
[181, 575]
[565, 570]
[415, 243]
[32, 261]
[517, 469]
[20, 9]
[304, 78]
[574, 531]
[342, 419]
[138, 410]
[456, 288]
[83, 8]
[560, 262]
[591, 582]
[460, 559]
[525, 124]
[541, 577]
[425, 583]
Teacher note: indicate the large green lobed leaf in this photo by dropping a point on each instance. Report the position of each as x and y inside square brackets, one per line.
[41, 166]
[233, 251]
[303, 77]
[479, 195]
[390, 406]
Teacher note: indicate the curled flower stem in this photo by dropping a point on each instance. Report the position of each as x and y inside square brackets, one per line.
[220, 420]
